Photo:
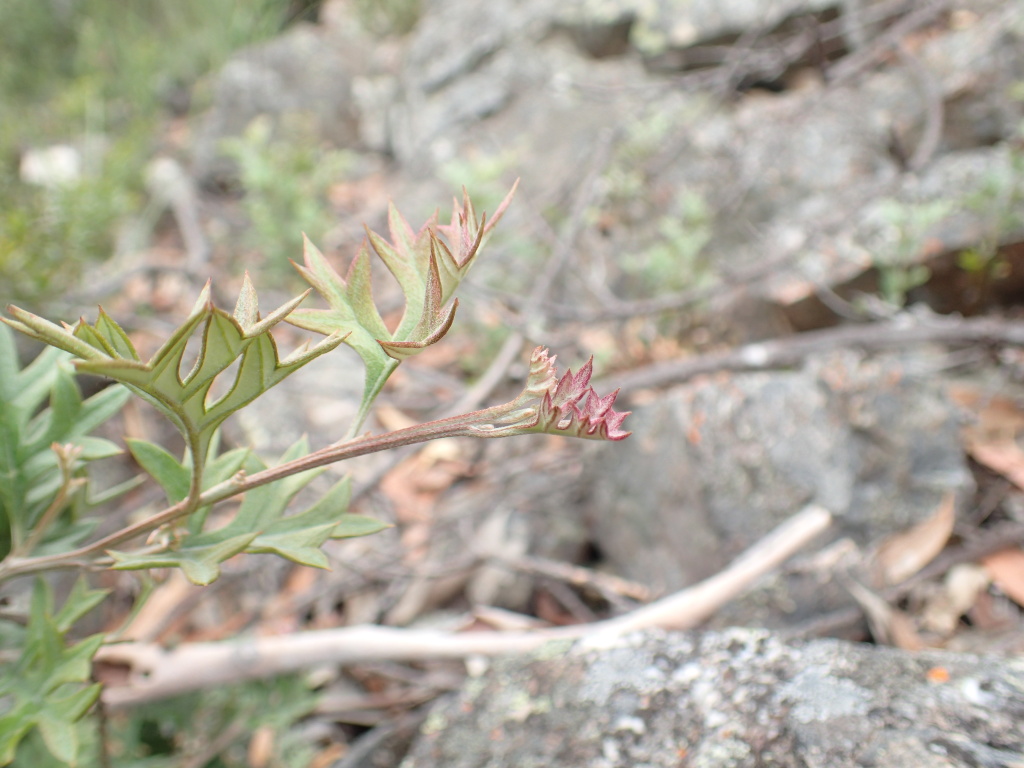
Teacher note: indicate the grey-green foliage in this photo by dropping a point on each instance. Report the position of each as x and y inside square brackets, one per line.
[909, 225]
[237, 361]
[39, 406]
[97, 75]
[677, 259]
[47, 689]
[285, 178]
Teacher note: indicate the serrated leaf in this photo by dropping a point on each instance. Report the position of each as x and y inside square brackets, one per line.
[59, 736]
[13, 728]
[551, 404]
[427, 270]
[173, 476]
[104, 349]
[48, 686]
[264, 506]
[115, 337]
[247, 308]
[75, 663]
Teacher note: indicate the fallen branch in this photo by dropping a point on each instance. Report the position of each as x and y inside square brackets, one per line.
[792, 350]
[157, 673]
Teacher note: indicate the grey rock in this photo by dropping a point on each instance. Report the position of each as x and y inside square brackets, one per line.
[302, 72]
[730, 700]
[715, 464]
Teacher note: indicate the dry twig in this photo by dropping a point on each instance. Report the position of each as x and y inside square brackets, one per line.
[157, 673]
[780, 353]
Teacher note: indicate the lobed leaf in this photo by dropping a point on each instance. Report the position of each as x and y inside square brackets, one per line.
[105, 349]
[428, 271]
[30, 475]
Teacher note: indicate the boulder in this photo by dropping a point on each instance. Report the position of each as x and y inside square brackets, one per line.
[303, 74]
[717, 463]
[734, 699]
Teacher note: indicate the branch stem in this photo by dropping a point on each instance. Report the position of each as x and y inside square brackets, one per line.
[456, 426]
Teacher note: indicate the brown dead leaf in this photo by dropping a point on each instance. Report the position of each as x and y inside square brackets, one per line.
[1007, 570]
[1003, 456]
[906, 553]
[992, 439]
[889, 626]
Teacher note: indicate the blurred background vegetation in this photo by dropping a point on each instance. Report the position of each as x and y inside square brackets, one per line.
[106, 77]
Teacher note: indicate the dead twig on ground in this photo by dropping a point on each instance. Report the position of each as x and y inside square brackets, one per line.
[157, 673]
[902, 331]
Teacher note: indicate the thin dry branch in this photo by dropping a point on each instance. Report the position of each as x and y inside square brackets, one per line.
[792, 350]
[157, 673]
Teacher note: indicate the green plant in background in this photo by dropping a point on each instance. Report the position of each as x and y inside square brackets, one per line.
[676, 260]
[45, 692]
[998, 201]
[96, 76]
[388, 17]
[899, 270]
[285, 180]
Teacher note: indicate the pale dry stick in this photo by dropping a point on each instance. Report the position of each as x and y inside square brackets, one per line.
[158, 673]
[1001, 536]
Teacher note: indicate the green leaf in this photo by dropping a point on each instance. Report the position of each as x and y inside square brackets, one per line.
[301, 546]
[65, 405]
[100, 407]
[199, 556]
[79, 602]
[48, 687]
[13, 728]
[104, 349]
[173, 476]
[34, 382]
[57, 721]
[350, 526]
[428, 271]
[225, 466]
[94, 448]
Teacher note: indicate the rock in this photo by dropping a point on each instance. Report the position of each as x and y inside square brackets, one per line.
[716, 464]
[303, 73]
[730, 700]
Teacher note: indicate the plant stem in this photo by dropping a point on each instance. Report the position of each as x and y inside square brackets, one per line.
[56, 507]
[464, 425]
[368, 400]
